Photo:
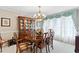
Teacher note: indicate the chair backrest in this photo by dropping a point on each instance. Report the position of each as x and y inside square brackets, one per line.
[45, 35]
[15, 35]
[47, 38]
[51, 32]
[0, 37]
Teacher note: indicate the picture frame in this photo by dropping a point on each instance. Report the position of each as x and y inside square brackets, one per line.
[5, 22]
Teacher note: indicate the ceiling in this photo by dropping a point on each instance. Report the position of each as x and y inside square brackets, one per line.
[31, 10]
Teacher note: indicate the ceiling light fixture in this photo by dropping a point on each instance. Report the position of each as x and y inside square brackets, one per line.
[39, 16]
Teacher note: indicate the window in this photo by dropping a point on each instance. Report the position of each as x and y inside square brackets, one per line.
[63, 27]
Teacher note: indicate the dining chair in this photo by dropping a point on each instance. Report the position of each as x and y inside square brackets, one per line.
[39, 43]
[23, 45]
[51, 38]
[0, 42]
[47, 42]
[51, 34]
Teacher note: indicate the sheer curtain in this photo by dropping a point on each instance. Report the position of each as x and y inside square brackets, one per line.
[63, 27]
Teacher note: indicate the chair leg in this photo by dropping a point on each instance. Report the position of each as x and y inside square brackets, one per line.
[52, 47]
[36, 49]
[31, 49]
[46, 49]
[51, 43]
[19, 50]
[16, 50]
[1, 49]
[40, 50]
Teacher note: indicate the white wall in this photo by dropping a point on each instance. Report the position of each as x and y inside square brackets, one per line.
[7, 32]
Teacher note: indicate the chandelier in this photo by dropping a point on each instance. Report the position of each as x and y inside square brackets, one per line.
[39, 16]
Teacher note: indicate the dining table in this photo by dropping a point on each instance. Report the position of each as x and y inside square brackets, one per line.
[37, 41]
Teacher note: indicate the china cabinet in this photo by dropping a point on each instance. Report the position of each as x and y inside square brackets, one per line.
[26, 26]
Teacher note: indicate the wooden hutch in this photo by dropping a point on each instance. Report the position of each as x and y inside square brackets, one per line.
[26, 26]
